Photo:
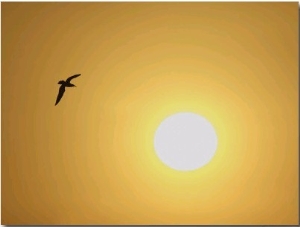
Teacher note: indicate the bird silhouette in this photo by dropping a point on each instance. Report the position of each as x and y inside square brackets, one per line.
[64, 84]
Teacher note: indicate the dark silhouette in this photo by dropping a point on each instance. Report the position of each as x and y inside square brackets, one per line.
[63, 85]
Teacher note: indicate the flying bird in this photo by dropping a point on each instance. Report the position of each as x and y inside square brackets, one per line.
[64, 84]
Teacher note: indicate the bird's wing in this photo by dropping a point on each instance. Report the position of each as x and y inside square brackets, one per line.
[60, 94]
[72, 77]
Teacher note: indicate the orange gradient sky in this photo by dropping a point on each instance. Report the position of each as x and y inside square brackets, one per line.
[91, 158]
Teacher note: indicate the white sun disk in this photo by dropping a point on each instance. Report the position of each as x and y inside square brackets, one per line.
[185, 141]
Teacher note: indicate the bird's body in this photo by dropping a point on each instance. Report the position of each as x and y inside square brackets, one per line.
[63, 85]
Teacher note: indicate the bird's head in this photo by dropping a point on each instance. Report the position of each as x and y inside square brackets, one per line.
[61, 82]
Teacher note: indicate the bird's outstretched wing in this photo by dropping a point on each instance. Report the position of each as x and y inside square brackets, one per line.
[72, 77]
[60, 94]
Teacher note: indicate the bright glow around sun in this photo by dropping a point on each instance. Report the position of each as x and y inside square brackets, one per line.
[185, 141]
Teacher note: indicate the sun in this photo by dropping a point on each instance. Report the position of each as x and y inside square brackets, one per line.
[185, 141]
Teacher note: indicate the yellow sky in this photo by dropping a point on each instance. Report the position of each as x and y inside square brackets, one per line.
[91, 158]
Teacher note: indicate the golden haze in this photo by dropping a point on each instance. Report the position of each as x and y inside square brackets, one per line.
[91, 160]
